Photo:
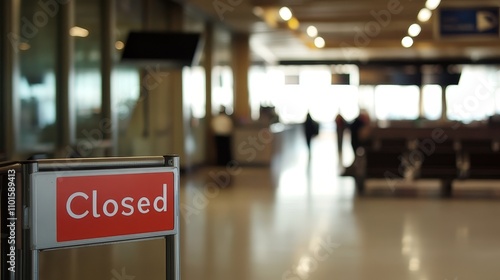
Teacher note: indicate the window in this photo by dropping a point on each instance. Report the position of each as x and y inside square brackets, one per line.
[396, 102]
[432, 102]
[87, 60]
[222, 89]
[194, 90]
[474, 98]
[37, 85]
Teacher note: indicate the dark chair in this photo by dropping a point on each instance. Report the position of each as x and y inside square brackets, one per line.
[483, 165]
[439, 161]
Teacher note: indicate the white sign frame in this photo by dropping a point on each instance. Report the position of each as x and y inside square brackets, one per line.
[43, 212]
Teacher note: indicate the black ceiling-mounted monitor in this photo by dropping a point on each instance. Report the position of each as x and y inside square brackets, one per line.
[166, 49]
[341, 79]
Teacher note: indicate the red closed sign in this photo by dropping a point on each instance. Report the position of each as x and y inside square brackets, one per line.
[114, 205]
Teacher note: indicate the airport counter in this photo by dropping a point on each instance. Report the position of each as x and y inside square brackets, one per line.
[255, 143]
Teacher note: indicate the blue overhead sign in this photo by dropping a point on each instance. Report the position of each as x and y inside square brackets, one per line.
[469, 22]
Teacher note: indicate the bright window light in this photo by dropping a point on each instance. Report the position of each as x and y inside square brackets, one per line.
[285, 13]
[432, 4]
[432, 102]
[407, 42]
[414, 30]
[407, 98]
[312, 31]
[424, 15]
[473, 99]
[193, 90]
[319, 42]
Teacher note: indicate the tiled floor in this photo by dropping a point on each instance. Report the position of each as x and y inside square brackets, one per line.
[299, 220]
[303, 221]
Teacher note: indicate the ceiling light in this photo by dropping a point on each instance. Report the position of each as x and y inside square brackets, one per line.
[312, 31]
[414, 30]
[407, 42]
[77, 31]
[432, 4]
[319, 42]
[24, 46]
[285, 13]
[119, 45]
[424, 15]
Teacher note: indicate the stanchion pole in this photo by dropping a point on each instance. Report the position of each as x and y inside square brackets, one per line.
[172, 244]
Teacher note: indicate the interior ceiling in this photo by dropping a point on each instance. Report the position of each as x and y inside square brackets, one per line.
[343, 25]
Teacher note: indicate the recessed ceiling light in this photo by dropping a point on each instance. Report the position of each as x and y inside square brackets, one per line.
[407, 42]
[24, 46]
[424, 15]
[432, 4]
[77, 31]
[312, 31]
[285, 13]
[119, 45]
[414, 30]
[319, 42]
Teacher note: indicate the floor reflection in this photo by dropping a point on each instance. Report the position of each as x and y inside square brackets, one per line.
[300, 220]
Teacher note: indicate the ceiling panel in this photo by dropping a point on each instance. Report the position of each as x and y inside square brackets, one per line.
[364, 29]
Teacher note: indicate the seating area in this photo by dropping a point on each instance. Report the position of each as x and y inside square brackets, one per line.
[442, 162]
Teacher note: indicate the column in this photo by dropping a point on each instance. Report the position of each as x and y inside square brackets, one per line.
[179, 120]
[107, 49]
[421, 101]
[241, 64]
[65, 119]
[10, 11]
[444, 106]
[208, 65]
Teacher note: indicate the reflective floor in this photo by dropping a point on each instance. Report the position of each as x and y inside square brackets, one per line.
[297, 219]
[301, 220]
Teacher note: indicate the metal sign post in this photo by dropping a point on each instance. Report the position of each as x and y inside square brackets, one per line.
[51, 204]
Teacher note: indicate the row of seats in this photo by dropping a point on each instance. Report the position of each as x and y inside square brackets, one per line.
[406, 161]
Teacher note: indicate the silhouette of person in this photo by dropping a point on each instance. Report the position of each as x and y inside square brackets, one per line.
[222, 126]
[341, 125]
[311, 129]
[359, 129]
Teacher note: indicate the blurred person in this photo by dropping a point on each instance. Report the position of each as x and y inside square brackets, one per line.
[360, 129]
[360, 132]
[341, 125]
[311, 129]
[222, 126]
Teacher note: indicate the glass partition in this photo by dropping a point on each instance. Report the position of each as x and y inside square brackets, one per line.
[125, 79]
[36, 82]
[87, 59]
